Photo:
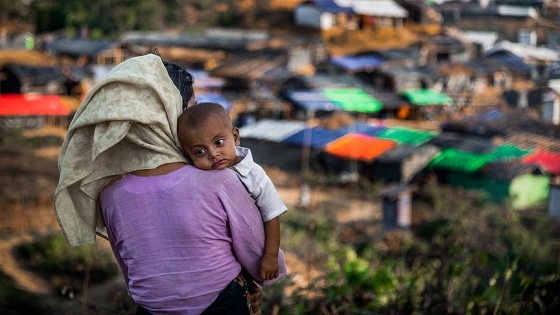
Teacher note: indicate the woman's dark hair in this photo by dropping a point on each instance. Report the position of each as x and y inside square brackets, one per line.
[182, 79]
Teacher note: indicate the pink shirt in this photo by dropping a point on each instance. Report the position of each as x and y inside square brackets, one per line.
[177, 259]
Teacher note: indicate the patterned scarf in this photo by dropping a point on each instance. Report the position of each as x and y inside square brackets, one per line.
[127, 122]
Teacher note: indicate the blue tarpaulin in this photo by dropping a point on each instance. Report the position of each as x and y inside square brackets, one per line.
[362, 128]
[213, 97]
[358, 63]
[312, 101]
[509, 61]
[332, 7]
[316, 138]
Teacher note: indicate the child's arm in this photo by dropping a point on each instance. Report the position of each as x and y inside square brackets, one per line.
[269, 262]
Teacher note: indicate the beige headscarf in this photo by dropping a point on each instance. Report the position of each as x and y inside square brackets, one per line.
[127, 122]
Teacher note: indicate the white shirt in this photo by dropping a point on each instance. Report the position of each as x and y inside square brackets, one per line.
[259, 185]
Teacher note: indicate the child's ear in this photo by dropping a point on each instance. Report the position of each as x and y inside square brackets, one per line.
[236, 137]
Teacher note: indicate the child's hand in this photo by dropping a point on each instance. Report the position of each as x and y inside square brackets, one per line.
[269, 267]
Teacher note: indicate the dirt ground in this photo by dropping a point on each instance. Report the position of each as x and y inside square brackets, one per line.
[28, 179]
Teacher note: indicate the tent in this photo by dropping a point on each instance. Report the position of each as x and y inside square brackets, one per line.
[32, 105]
[358, 147]
[548, 161]
[353, 99]
[422, 97]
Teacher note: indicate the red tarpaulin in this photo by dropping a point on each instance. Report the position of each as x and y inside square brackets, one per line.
[359, 147]
[32, 105]
[547, 160]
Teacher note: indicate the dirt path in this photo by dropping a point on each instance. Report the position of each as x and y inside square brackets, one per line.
[25, 279]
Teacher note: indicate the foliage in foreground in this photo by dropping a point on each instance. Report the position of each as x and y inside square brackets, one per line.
[67, 266]
[466, 257]
[14, 301]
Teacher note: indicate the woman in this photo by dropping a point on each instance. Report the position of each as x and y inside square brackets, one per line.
[174, 232]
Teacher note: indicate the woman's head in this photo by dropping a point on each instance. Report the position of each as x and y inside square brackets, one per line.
[183, 80]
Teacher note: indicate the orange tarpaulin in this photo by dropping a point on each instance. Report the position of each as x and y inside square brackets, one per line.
[359, 147]
[32, 105]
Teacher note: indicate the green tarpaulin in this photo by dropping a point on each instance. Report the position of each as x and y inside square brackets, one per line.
[424, 97]
[508, 152]
[406, 136]
[353, 99]
[457, 160]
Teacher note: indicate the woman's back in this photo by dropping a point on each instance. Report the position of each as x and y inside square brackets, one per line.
[173, 230]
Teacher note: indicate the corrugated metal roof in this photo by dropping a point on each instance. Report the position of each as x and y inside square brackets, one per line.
[517, 11]
[320, 81]
[271, 130]
[78, 47]
[525, 51]
[400, 53]
[385, 8]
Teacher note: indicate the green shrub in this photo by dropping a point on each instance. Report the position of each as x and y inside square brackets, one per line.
[14, 301]
[52, 257]
[468, 256]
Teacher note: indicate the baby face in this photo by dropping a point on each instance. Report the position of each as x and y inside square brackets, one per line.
[211, 145]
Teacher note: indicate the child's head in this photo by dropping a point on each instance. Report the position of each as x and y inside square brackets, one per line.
[208, 136]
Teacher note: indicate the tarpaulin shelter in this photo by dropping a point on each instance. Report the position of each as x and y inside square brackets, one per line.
[406, 136]
[403, 162]
[32, 105]
[19, 111]
[459, 160]
[358, 63]
[423, 97]
[353, 99]
[508, 152]
[548, 161]
[315, 137]
[359, 147]
[215, 98]
[311, 101]
[505, 181]
[271, 130]
[473, 144]
[264, 138]
[363, 128]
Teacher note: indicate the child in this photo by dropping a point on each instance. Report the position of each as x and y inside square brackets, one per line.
[211, 142]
